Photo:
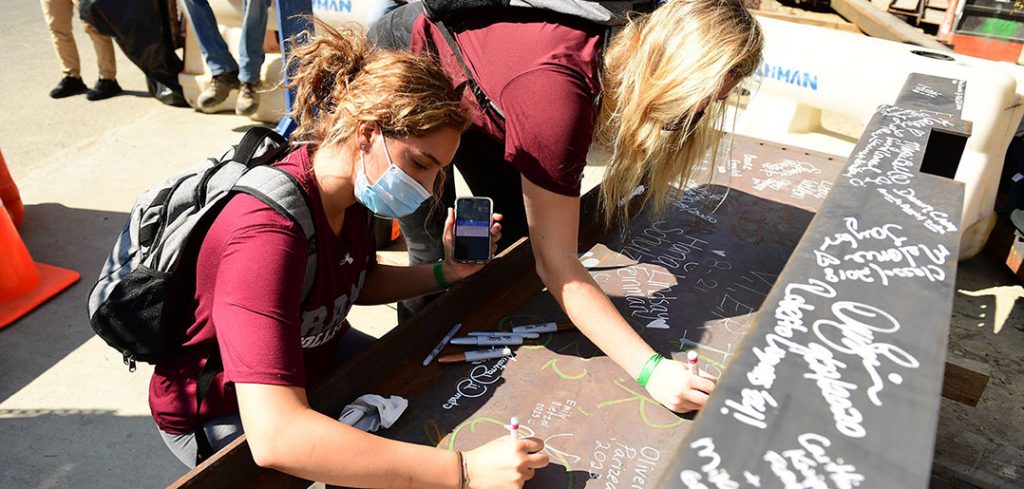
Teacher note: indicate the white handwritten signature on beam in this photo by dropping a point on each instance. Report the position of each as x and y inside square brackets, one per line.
[851, 332]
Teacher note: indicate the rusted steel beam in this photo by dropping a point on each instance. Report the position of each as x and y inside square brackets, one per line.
[840, 380]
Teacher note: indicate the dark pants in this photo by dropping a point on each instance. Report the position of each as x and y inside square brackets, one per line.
[481, 162]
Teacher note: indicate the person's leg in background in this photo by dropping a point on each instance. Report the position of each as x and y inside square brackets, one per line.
[422, 233]
[58, 14]
[251, 55]
[481, 161]
[215, 51]
[487, 173]
[106, 85]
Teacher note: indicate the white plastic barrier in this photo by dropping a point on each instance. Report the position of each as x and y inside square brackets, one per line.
[196, 76]
[808, 70]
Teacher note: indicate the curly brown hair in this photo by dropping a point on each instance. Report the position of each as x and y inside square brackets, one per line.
[340, 81]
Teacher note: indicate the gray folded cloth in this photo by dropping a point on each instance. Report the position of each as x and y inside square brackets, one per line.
[371, 412]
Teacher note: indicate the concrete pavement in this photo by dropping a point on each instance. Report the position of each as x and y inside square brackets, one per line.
[71, 415]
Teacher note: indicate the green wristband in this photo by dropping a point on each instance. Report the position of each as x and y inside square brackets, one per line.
[439, 276]
[645, 373]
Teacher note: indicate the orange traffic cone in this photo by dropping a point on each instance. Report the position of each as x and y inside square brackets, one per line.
[24, 284]
[9, 194]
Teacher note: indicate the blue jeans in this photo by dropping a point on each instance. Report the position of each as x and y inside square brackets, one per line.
[215, 51]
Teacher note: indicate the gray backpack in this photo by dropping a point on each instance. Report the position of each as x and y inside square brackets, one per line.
[146, 287]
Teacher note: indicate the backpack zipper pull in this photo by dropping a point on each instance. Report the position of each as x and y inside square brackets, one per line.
[129, 360]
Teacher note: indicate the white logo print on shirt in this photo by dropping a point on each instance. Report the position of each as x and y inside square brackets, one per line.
[345, 261]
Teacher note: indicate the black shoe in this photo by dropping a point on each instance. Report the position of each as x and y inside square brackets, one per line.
[103, 89]
[68, 86]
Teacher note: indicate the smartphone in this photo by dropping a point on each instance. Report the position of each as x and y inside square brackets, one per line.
[473, 229]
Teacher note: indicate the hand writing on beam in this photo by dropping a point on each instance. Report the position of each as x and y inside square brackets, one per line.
[676, 388]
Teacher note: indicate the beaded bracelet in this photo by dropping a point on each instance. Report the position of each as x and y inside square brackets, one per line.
[439, 275]
[648, 369]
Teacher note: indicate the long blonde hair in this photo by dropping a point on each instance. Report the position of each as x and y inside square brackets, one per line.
[657, 70]
[340, 81]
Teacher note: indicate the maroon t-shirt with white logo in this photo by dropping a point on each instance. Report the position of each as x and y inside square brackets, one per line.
[248, 302]
[541, 69]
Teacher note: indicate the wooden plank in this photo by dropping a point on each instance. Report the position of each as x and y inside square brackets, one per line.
[877, 23]
[904, 5]
[933, 16]
[839, 26]
[838, 383]
[964, 380]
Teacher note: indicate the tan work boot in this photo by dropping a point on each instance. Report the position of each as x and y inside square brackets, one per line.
[217, 91]
[248, 100]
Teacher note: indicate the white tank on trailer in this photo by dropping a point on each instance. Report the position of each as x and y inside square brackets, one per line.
[810, 71]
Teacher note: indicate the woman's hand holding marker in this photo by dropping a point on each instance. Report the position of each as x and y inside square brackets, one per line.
[504, 463]
[689, 395]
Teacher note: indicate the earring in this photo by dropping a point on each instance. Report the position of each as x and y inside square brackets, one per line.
[364, 146]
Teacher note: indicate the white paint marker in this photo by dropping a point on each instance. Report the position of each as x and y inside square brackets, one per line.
[544, 327]
[691, 358]
[476, 356]
[529, 336]
[490, 340]
[513, 428]
[440, 346]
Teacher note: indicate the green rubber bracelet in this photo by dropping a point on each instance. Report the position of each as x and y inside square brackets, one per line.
[439, 276]
[645, 373]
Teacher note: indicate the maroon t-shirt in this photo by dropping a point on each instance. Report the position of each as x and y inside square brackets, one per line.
[541, 69]
[248, 302]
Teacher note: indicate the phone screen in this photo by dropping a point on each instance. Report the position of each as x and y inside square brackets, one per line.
[472, 229]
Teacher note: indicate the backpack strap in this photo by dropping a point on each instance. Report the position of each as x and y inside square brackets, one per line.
[213, 366]
[481, 98]
[282, 192]
[254, 139]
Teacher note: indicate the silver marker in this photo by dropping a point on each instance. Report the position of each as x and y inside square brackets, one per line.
[440, 346]
[529, 336]
[509, 339]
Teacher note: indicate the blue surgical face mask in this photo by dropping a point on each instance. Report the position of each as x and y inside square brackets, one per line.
[395, 194]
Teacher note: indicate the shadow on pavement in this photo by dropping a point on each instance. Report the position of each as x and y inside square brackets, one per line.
[76, 239]
[83, 448]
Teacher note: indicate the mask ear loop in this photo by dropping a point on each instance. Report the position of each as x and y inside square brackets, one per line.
[410, 181]
[363, 149]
